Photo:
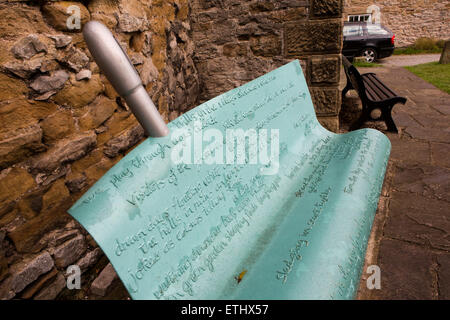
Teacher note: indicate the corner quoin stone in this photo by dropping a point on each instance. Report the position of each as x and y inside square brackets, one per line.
[330, 123]
[326, 8]
[313, 37]
[326, 101]
[325, 69]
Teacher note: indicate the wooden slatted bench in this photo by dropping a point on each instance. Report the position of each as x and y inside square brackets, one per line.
[374, 94]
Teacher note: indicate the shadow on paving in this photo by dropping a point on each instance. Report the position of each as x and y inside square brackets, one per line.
[410, 239]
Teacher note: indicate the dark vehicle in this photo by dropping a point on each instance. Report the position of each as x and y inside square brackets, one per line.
[371, 41]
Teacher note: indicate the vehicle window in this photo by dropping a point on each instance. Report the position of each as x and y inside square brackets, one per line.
[353, 31]
[373, 29]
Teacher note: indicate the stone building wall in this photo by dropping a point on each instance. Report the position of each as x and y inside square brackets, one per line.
[237, 41]
[408, 20]
[62, 125]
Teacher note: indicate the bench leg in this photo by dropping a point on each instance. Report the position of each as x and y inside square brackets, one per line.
[387, 117]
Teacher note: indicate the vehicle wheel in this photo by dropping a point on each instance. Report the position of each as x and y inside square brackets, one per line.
[369, 54]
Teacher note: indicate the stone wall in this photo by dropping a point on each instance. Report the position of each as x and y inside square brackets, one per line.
[62, 125]
[408, 20]
[237, 41]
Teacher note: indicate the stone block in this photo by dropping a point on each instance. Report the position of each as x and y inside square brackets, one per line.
[89, 259]
[61, 40]
[76, 182]
[32, 289]
[59, 236]
[21, 113]
[20, 144]
[26, 236]
[326, 8]
[64, 151]
[97, 112]
[29, 270]
[326, 101]
[84, 74]
[262, 6]
[56, 14]
[52, 291]
[309, 37]
[74, 58]
[129, 23]
[266, 46]
[325, 69]
[14, 183]
[104, 281]
[22, 20]
[28, 47]
[24, 69]
[330, 123]
[124, 141]
[70, 251]
[57, 193]
[235, 49]
[80, 93]
[58, 125]
[54, 82]
[11, 88]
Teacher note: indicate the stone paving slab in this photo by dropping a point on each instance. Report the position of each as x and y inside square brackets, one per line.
[427, 181]
[409, 151]
[406, 271]
[443, 261]
[418, 220]
[440, 154]
[410, 239]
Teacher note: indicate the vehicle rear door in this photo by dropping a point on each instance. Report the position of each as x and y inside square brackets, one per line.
[379, 37]
[354, 40]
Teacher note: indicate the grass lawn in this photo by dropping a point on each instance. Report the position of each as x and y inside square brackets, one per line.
[363, 64]
[434, 73]
[411, 50]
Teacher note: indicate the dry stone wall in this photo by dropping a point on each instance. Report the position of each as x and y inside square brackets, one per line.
[62, 125]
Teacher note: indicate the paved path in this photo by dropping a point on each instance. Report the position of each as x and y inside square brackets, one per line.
[409, 60]
[410, 239]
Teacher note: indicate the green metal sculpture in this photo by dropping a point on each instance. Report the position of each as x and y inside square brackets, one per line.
[248, 197]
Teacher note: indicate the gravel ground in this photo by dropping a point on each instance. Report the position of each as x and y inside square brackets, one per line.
[409, 60]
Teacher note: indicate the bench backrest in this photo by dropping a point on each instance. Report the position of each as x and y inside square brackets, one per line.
[293, 224]
[354, 77]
